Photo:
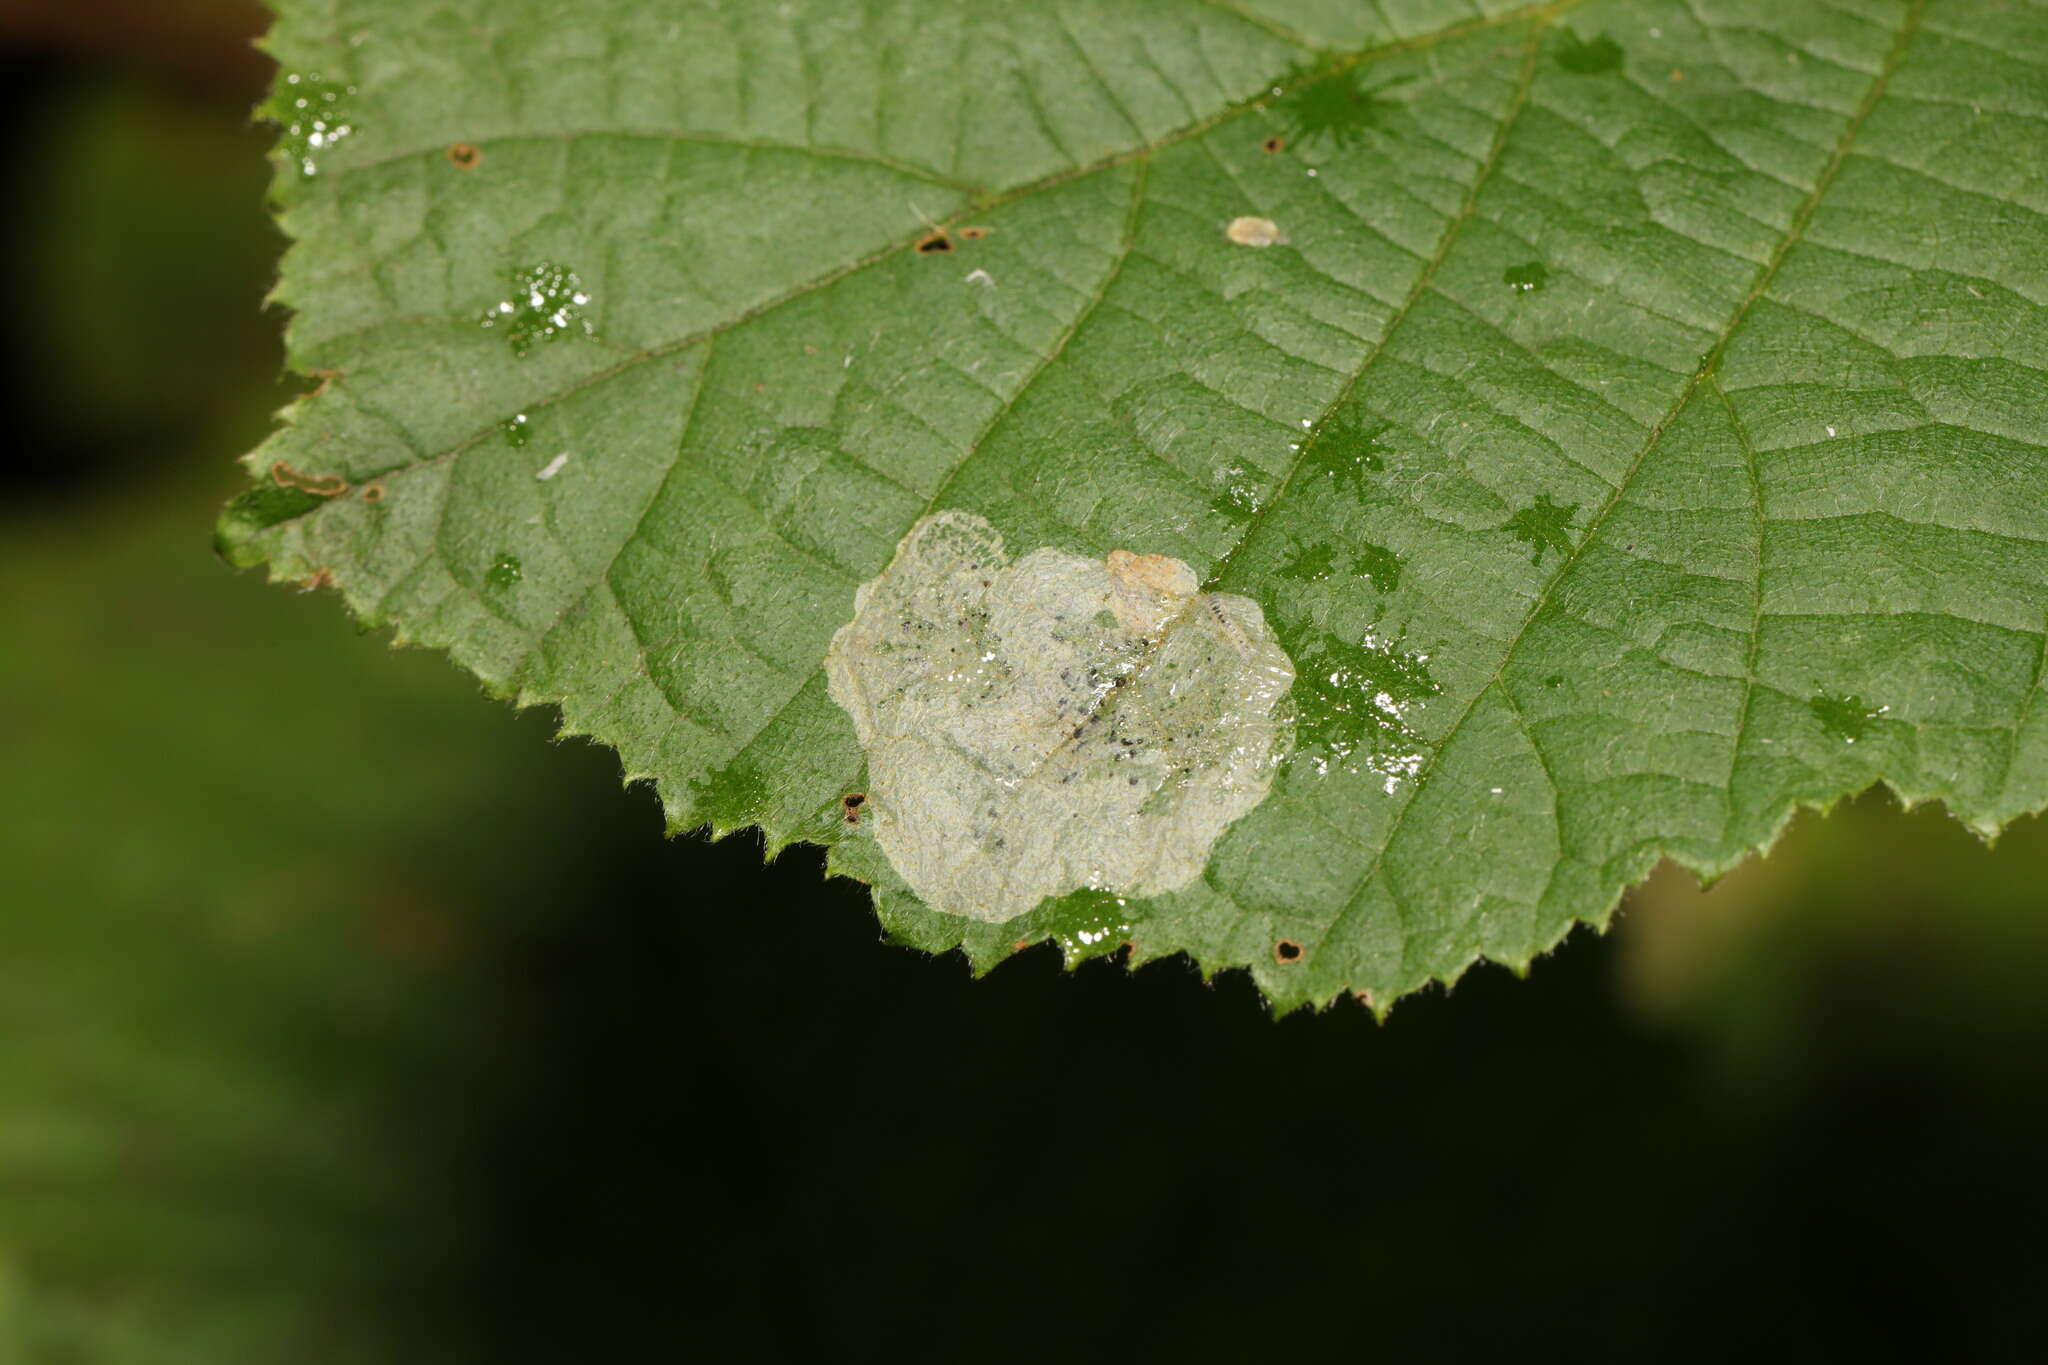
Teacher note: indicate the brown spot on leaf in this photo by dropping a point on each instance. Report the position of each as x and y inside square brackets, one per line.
[1363, 997]
[326, 378]
[319, 485]
[373, 492]
[851, 804]
[1020, 945]
[1273, 143]
[322, 577]
[1286, 952]
[464, 156]
[934, 242]
[975, 232]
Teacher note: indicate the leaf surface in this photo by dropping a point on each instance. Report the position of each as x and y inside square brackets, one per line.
[1638, 431]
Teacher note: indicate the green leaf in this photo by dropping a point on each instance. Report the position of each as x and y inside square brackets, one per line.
[1639, 430]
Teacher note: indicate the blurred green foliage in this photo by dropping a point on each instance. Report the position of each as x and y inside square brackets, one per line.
[239, 974]
[345, 1019]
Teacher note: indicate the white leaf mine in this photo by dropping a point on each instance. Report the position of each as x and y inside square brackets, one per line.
[1057, 723]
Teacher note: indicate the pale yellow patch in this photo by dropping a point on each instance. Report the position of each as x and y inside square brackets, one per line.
[1254, 232]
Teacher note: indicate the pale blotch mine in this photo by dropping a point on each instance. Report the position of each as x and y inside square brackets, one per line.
[1054, 724]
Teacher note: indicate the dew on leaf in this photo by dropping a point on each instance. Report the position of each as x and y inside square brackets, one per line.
[1332, 108]
[1352, 703]
[1346, 448]
[1545, 525]
[544, 302]
[312, 115]
[1379, 564]
[505, 571]
[1086, 923]
[1588, 56]
[1241, 496]
[516, 431]
[1310, 563]
[1845, 717]
[1526, 278]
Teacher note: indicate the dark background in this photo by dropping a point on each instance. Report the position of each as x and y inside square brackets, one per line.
[344, 1017]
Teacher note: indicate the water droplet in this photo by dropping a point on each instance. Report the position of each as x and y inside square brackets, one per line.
[312, 116]
[544, 302]
[516, 432]
[1545, 525]
[1352, 703]
[1347, 448]
[1241, 496]
[1526, 278]
[1588, 56]
[1319, 562]
[1379, 564]
[1846, 717]
[1332, 108]
[505, 571]
[1310, 563]
[1086, 923]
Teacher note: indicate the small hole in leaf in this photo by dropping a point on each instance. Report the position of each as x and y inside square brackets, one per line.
[1286, 950]
[934, 242]
[851, 804]
[465, 155]
[1273, 144]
